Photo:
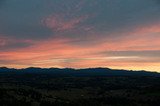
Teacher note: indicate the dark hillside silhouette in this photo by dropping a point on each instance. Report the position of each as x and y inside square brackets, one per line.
[79, 72]
[78, 87]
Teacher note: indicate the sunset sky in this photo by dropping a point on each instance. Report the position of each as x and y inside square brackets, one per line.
[119, 34]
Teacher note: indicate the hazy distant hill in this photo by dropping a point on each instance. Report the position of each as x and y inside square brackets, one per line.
[78, 72]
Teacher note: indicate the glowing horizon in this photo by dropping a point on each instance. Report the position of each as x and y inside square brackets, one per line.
[121, 34]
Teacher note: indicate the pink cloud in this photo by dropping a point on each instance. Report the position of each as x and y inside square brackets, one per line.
[62, 52]
[2, 41]
[61, 23]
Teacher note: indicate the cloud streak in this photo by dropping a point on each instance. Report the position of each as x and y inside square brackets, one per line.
[79, 34]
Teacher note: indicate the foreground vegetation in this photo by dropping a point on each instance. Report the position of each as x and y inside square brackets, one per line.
[34, 89]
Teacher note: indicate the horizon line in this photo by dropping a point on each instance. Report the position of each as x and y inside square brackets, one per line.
[76, 68]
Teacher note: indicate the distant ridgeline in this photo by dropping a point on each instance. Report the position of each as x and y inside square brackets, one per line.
[77, 72]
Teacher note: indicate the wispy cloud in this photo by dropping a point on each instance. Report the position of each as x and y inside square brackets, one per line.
[80, 33]
[60, 23]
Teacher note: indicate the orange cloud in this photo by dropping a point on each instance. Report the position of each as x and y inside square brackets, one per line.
[63, 52]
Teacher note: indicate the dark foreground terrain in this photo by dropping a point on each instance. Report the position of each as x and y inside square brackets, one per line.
[85, 87]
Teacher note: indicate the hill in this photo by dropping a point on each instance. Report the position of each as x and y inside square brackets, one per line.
[78, 87]
[78, 72]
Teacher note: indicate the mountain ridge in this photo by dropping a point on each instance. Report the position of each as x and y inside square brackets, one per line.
[99, 71]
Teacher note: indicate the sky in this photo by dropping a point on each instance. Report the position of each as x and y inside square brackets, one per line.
[119, 34]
